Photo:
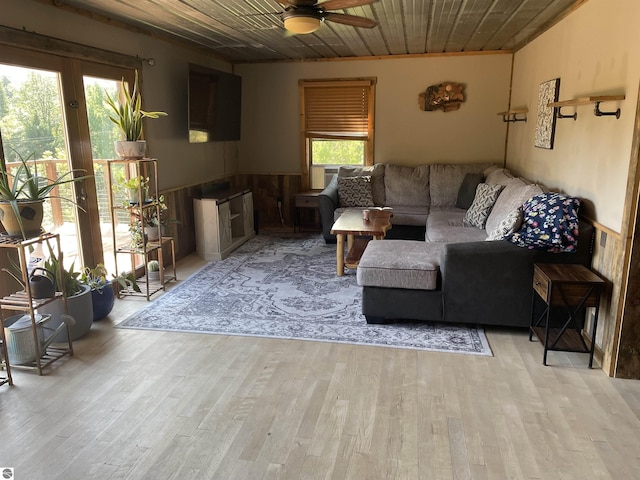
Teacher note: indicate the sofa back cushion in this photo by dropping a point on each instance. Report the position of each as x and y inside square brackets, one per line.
[376, 172]
[516, 192]
[497, 176]
[446, 179]
[406, 185]
[467, 191]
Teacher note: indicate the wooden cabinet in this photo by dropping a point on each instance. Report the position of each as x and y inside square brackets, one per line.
[223, 222]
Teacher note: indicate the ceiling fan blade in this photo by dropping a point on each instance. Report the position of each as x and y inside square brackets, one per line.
[340, 4]
[352, 20]
[296, 3]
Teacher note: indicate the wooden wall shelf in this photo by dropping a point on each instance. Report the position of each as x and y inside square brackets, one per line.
[595, 99]
[511, 116]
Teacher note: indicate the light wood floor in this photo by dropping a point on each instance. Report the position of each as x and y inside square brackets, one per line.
[151, 405]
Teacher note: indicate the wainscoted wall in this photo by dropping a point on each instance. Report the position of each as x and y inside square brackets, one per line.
[608, 250]
[593, 157]
[267, 190]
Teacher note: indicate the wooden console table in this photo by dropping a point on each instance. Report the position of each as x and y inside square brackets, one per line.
[575, 288]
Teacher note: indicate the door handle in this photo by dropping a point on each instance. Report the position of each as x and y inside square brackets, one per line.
[81, 196]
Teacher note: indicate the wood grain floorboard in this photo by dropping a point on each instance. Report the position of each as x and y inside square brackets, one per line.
[135, 404]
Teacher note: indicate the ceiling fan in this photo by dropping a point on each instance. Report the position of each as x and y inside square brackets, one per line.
[306, 16]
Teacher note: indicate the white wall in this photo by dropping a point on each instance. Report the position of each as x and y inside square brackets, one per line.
[165, 87]
[404, 134]
[594, 51]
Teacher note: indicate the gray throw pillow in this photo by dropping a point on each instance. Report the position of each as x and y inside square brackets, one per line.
[467, 191]
[509, 224]
[486, 196]
[355, 191]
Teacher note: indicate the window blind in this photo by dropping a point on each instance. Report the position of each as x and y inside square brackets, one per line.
[337, 109]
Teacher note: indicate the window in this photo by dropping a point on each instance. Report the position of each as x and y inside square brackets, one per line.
[337, 126]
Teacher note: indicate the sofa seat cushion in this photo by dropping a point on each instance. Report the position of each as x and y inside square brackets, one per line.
[409, 215]
[445, 225]
[406, 185]
[515, 193]
[404, 264]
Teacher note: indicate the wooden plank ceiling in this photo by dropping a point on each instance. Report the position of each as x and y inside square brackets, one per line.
[252, 30]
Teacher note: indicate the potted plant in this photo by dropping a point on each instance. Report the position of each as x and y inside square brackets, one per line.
[102, 293]
[79, 301]
[128, 115]
[132, 190]
[22, 195]
[154, 220]
[153, 270]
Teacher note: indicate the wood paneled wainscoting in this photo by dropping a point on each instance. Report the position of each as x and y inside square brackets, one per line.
[267, 189]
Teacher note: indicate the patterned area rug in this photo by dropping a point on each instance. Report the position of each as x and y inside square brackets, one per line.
[285, 286]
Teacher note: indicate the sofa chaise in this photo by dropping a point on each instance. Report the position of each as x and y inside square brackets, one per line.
[468, 268]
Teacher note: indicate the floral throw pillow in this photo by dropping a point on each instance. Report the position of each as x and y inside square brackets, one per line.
[509, 224]
[486, 196]
[355, 191]
[550, 223]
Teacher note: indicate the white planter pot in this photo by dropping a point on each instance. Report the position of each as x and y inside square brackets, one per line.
[130, 149]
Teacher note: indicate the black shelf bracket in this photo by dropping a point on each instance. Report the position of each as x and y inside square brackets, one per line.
[599, 113]
[560, 115]
[513, 117]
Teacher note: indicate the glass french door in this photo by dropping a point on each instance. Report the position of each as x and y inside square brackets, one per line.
[97, 80]
[51, 108]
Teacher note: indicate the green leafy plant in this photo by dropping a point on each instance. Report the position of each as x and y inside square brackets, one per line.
[67, 277]
[130, 188]
[128, 113]
[28, 185]
[127, 280]
[15, 272]
[96, 278]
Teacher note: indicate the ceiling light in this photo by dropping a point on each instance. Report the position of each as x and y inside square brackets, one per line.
[302, 24]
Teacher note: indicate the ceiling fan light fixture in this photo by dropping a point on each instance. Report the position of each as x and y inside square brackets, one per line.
[302, 24]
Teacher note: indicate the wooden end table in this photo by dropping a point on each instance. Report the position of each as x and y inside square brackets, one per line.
[305, 200]
[350, 224]
[575, 288]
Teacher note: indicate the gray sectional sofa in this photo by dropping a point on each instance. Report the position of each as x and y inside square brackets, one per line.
[452, 274]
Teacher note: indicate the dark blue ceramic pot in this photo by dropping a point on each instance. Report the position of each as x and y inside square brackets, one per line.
[103, 301]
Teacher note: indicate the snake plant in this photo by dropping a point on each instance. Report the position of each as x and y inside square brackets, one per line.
[128, 113]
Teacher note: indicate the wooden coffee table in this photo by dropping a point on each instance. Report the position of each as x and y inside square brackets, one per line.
[350, 224]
